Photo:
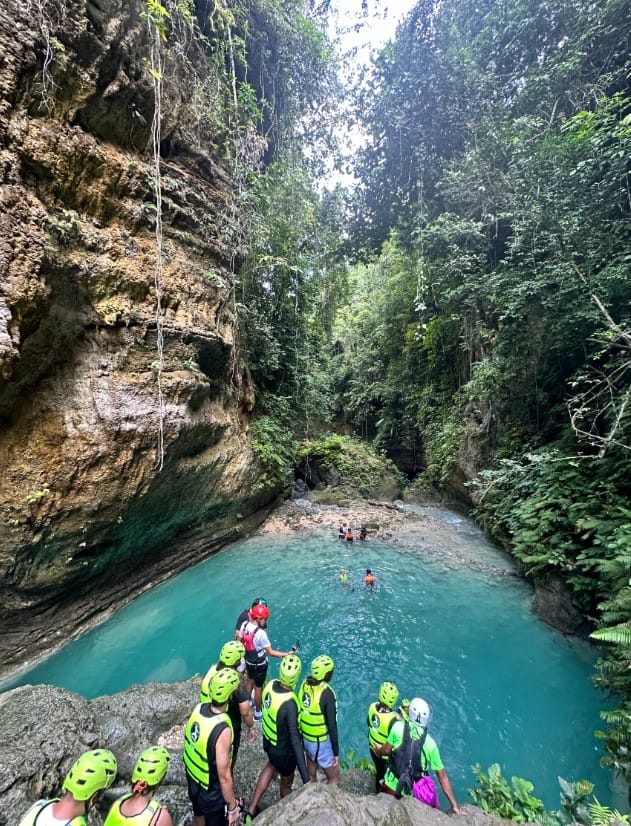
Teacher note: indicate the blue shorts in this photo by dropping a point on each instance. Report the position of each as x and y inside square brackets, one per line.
[320, 753]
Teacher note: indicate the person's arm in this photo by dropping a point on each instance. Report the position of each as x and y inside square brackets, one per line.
[271, 652]
[291, 718]
[329, 711]
[445, 785]
[248, 719]
[383, 749]
[224, 774]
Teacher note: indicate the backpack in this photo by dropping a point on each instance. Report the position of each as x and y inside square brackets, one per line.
[413, 770]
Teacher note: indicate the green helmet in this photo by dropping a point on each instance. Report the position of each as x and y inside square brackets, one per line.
[232, 653]
[222, 684]
[93, 772]
[321, 666]
[290, 668]
[151, 766]
[388, 694]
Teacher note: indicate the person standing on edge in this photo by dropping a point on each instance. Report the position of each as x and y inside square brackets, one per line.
[318, 721]
[232, 655]
[281, 735]
[381, 718]
[90, 775]
[207, 753]
[138, 808]
[257, 649]
[409, 744]
[244, 616]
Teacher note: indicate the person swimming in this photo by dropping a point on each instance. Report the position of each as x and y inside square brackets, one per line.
[345, 579]
[369, 579]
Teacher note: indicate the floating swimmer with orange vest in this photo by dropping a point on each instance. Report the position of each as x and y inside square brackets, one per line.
[369, 579]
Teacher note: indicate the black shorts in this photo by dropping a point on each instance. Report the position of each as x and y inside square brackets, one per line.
[208, 804]
[284, 762]
[257, 672]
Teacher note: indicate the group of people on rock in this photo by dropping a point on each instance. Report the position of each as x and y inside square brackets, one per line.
[299, 728]
[345, 532]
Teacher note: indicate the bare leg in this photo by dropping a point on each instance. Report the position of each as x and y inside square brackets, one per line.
[333, 775]
[257, 697]
[286, 781]
[312, 768]
[265, 778]
[198, 820]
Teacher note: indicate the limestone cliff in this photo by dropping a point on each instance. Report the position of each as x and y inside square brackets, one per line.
[88, 518]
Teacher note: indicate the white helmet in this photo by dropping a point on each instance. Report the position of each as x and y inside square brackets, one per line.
[420, 712]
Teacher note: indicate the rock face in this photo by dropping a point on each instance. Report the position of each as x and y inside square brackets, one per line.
[89, 517]
[43, 730]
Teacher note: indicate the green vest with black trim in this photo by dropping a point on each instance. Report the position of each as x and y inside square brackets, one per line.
[204, 691]
[144, 818]
[310, 718]
[197, 734]
[379, 725]
[31, 817]
[271, 702]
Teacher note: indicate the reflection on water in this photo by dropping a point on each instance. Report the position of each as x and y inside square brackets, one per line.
[504, 687]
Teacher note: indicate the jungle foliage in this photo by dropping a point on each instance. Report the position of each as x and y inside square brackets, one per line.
[487, 335]
[484, 331]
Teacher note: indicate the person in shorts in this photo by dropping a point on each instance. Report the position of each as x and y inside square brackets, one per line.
[318, 721]
[207, 750]
[281, 736]
[257, 649]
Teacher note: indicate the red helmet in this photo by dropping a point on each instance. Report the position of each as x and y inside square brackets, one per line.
[259, 612]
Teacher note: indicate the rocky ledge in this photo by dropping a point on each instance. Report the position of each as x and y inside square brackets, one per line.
[43, 729]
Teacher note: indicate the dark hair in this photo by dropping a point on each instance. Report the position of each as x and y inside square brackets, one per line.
[259, 601]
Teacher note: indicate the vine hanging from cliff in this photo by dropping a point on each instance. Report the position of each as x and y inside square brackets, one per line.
[157, 16]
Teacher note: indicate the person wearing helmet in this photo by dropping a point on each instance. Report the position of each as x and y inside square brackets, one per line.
[138, 808]
[281, 736]
[244, 616]
[207, 753]
[381, 718]
[89, 776]
[410, 745]
[232, 655]
[257, 649]
[318, 721]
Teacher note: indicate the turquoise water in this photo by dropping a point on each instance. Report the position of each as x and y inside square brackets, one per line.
[504, 687]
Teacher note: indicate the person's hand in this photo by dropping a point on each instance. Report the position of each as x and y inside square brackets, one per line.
[455, 810]
[234, 815]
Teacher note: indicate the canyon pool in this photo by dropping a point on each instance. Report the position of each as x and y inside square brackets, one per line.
[504, 687]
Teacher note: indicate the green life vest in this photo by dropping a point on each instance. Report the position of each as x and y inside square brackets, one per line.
[32, 816]
[271, 704]
[116, 818]
[311, 719]
[197, 734]
[204, 691]
[379, 725]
